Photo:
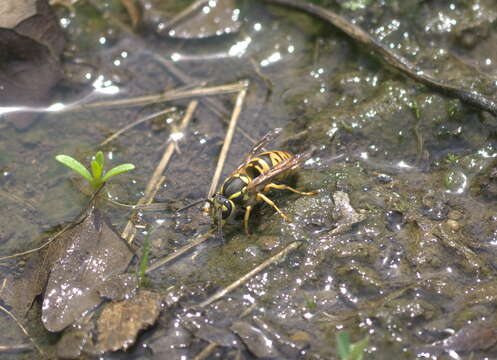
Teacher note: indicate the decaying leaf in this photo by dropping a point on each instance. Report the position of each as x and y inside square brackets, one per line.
[120, 322]
[31, 42]
[344, 213]
[20, 290]
[94, 253]
[213, 18]
[256, 341]
[473, 337]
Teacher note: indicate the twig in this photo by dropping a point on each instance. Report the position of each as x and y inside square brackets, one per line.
[183, 14]
[211, 103]
[23, 329]
[80, 219]
[227, 140]
[293, 246]
[194, 243]
[15, 348]
[135, 123]
[154, 182]
[17, 199]
[393, 59]
[157, 98]
[209, 349]
[64, 229]
[133, 12]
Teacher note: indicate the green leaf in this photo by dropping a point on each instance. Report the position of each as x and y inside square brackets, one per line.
[97, 170]
[118, 170]
[99, 158]
[343, 344]
[75, 165]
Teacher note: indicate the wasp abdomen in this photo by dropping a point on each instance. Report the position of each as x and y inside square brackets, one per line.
[263, 162]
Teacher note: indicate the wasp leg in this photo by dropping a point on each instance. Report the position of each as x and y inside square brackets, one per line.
[271, 203]
[248, 209]
[286, 187]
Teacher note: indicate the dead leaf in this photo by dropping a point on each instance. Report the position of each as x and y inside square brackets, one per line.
[21, 289]
[344, 213]
[256, 341]
[31, 41]
[94, 253]
[120, 322]
[473, 337]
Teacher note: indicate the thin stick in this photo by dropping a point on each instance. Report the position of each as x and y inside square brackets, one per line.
[212, 104]
[194, 243]
[14, 348]
[227, 140]
[395, 60]
[209, 349]
[163, 97]
[135, 123]
[64, 229]
[23, 329]
[17, 199]
[293, 246]
[183, 14]
[152, 185]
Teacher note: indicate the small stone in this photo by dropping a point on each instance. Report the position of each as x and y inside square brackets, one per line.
[455, 215]
[301, 339]
[454, 225]
[268, 243]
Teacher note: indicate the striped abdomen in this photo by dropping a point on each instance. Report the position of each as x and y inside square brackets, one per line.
[263, 162]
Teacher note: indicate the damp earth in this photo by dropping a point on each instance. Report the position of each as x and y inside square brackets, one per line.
[399, 245]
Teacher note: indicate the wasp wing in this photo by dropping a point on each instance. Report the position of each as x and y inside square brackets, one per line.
[258, 146]
[289, 164]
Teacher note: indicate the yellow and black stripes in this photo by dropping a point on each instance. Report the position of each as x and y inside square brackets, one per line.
[247, 185]
[263, 162]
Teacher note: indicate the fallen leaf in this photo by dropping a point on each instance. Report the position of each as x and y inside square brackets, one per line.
[473, 337]
[31, 41]
[94, 253]
[256, 341]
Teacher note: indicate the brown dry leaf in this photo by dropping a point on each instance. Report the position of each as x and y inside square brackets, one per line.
[94, 254]
[21, 289]
[472, 337]
[31, 42]
[120, 322]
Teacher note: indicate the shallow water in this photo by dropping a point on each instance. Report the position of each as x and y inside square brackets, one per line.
[418, 256]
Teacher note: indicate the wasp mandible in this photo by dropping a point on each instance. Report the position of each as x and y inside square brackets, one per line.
[253, 178]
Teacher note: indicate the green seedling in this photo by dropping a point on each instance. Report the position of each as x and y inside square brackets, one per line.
[97, 177]
[347, 350]
[143, 266]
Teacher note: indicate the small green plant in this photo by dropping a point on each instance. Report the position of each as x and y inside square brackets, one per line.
[142, 268]
[451, 158]
[97, 177]
[348, 351]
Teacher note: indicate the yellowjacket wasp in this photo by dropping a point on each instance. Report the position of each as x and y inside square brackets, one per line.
[255, 176]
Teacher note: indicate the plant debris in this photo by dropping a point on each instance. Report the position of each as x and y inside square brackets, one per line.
[31, 41]
[94, 252]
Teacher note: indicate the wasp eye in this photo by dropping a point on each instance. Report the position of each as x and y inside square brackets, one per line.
[226, 210]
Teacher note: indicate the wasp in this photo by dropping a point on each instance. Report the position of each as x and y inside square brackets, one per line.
[259, 173]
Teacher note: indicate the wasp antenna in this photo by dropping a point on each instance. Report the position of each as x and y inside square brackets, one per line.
[194, 203]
